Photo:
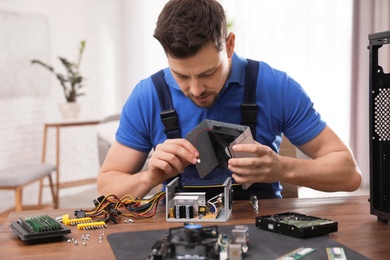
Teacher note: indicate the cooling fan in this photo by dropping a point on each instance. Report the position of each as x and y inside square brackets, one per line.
[196, 242]
[192, 240]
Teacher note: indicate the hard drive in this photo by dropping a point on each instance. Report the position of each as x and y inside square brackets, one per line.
[296, 225]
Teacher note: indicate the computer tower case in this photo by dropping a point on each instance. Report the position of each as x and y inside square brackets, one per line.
[379, 83]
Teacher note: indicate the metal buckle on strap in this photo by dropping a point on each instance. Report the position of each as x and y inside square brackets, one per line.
[248, 113]
[169, 119]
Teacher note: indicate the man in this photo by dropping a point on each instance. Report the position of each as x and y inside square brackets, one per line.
[206, 81]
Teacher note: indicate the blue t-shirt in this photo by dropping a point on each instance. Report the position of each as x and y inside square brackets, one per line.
[284, 108]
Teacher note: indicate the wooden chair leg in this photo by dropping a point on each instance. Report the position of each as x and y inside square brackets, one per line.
[40, 192]
[18, 198]
[55, 204]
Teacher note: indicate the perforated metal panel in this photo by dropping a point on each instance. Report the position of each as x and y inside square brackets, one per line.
[382, 114]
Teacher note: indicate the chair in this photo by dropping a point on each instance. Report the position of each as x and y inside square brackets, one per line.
[17, 177]
[106, 135]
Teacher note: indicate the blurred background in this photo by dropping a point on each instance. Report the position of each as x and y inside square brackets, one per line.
[322, 44]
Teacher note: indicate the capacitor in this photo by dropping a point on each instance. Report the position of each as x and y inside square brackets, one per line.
[179, 211]
[189, 211]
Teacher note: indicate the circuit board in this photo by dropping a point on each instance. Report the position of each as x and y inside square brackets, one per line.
[39, 229]
[194, 207]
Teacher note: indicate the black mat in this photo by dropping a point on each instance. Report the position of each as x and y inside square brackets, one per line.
[262, 245]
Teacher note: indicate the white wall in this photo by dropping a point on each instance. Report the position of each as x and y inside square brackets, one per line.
[117, 55]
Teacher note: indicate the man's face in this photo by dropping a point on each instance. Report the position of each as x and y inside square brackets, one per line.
[202, 76]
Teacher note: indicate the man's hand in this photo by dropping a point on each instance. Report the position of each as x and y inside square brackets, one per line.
[170, 158]
[265, 167]
[331, 165]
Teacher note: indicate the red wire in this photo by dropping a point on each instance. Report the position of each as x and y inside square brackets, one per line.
[201, 131]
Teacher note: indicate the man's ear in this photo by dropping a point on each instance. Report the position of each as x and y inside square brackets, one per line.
[230, 43]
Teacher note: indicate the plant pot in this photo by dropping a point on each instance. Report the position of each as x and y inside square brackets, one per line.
[70, 110]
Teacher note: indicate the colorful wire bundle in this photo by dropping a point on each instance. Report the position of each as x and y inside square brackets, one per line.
[112, 205]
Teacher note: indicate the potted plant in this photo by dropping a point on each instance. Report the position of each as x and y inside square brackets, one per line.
[71, 82]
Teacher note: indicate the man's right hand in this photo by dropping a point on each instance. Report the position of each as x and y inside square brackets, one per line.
[170, 158]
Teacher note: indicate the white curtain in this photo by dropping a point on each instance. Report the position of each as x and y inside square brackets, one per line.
[368, 17]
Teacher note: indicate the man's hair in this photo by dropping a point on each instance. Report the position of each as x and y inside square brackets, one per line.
[185, 26]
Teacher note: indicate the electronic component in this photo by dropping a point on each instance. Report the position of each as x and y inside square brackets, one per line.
[296, 225]
[255, 203]
[336, 253]
[186, 204]
[193, 206]
[379, 92]
[240, 235]
[192, 241]
[110, 206]
[178, 211]
[92, 225]
[297, 254]
[83, 223]
[73, 222]
[39, 229]
[235, 252]
[214, 139]
[79, 213]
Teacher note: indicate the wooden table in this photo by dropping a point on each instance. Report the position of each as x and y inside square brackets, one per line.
[57, 126]
[357, 229]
